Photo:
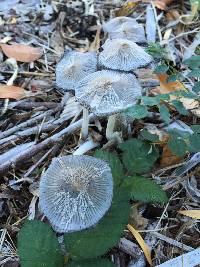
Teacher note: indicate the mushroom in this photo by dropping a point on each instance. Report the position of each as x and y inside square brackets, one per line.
[116, 23]
[122, 54]
[75, 192]
[73, 67]
[129, 31]
[108, 92]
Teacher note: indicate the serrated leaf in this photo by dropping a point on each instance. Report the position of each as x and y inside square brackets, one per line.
[194, 145]
[96, 241]
[172, 78]
[194, 73]
[149, 136]
[145, 190]
[193, 62]
[114, 163]
[91, 263]
[138, 156]
[195, 128]
[196, 87]
[177, 145]
[137, 112]
[179, 107]
[164, 113]
[161, 68]
[38, 246]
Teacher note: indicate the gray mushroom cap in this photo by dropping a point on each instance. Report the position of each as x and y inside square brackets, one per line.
[122, 54]
[129, 31]
[73, 67]
[75, 192]
[108, 92]
[115, 23]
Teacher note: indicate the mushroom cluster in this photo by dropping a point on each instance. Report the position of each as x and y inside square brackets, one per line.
[76, 191]
[105, 84]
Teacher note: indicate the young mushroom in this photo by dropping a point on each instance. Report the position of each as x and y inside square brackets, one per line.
[129, 31]
[108, 92]
[75, 192]
[122, 54]
[73, 67]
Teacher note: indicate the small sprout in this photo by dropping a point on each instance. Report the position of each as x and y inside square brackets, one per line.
[121, 54]
[108, 92]
[129, 31]
[75, 192]
[115, 23]
[73, 67]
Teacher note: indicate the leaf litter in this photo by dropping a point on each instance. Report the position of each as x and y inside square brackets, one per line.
[40, 121]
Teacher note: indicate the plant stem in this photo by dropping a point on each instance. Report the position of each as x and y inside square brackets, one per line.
[85, 147]
[84, 130]
[110, 127]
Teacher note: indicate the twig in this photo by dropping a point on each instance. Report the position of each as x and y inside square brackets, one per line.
[28, 123]
[172, 241]
[28, 73]
[29, 153]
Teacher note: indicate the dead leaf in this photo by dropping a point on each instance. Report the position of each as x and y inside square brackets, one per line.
[167, 87]
[195, 214]
[14, 92]
[126, 9]
[141, 242]
[162, 4]
[21, 52]
[168, 158]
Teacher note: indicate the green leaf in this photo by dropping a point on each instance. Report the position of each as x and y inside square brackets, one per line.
[179, 107]
[91, 263]
[193, 62]
[149, 136]
[155, 100]
[115, 164]
[194, 73]
[138, 156]
[196, 88]
[96, 241]
[146, 190]
[156, 51]
[194, 145]
[195, 128]
[38, 246]
[137, 112]
[164, 113]
[172, 78]
[177, 143]
[161, 68]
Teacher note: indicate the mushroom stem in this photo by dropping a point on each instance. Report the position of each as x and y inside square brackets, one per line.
[84, 130]
[110, 127]
[85, 147]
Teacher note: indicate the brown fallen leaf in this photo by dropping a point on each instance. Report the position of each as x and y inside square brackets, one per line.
[14, 92]
[127, 8]
[167, 87]
[21, 52]
[168, 158]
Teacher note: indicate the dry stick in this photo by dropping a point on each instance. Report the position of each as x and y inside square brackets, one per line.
[172, 241]
[27, 105]
[45, 127]
[27, 123]
[32, 151]
[29, 73]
